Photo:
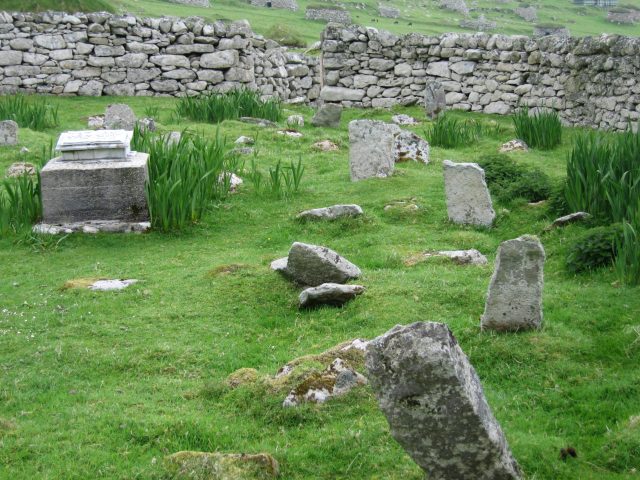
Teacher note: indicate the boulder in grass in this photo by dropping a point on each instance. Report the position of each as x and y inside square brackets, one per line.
[462, 257]
[410, 146]
[188, 465]
[515, 145]
[314, 265]
[325, 146]
[568, 219]
[119, 116]
[333, 294]
[327, 115]
[331, 213]
[435, 405]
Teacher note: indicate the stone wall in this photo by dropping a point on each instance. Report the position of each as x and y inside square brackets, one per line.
[286, 4]
[591, 81]
[103, 54]
[193, 3]
[327, 14]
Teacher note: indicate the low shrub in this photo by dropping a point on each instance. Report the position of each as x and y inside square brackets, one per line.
[509, 180]
[542, 129]
[594, 249]
[34, 113]
[217, 107]
[449, 132]
[185, 177]
[286, 35]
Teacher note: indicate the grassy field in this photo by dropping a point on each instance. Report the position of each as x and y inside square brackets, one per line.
[104, 385]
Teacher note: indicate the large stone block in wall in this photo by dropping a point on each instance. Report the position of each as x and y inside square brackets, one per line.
[340, 94]
[219, 60]
[372, 148]
[514, 299]
[434, 403]
[468, 199]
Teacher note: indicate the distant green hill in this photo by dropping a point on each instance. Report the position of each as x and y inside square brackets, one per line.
[58, 5]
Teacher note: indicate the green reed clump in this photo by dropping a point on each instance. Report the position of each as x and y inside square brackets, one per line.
[449, 132]
[217, 107]
[29, 112]
[20, 202]
[282, 181]
[185, 176]
[627, 262]
[542, 129]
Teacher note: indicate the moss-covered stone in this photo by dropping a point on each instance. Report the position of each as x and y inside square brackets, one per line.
[242, 376]
[189, 465]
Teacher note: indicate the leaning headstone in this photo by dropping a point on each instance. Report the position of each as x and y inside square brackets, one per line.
[410, 146]
[514, 299]
[434, 99]
[435, 406]
[372, 149]
[314, 265]
[468, 199]
[331, 213]
[333, 294]
[119, 116]
[327, 115]
[8, 132]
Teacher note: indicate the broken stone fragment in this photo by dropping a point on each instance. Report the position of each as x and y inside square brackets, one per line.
[567, 219]
[329, 294]
[331, 213]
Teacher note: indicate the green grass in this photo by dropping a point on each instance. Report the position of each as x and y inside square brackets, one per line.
[57, 5]
[31, 112]
[104, 385]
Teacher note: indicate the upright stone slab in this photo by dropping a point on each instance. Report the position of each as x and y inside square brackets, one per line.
[514, 300]
[119, 116]
[434, 99]
[372, 148]
[468, 199]
[435, 406]
[8, 132]
[327, 115]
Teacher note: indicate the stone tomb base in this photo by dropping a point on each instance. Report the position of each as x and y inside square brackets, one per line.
[81, 191]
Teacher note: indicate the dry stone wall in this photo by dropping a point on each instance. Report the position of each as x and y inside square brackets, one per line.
[102, 54]
[591, 81]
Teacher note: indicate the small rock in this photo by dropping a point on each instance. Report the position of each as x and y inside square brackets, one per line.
[260, 122]
[295, 121]
[172, 138]
[461, 257]
[234, 180]
[325, 146]
[119, 116]
[147, 124]
[514, 146]
[327, 115]
[21, 168]
[290, 133]
[567, 219]
[108, 285]
[242, 140]
[96, 122]
[329, 294]
[403, 119]
[188, 465]
[332, 213]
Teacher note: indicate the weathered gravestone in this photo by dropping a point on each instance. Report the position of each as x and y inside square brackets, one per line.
[435, 406]
[468, 199]
[372, 148]
[410, 146]
[514, 300]
[119, 116]
[8, 132]
[434, 99]
[327, 115]
[96, 178]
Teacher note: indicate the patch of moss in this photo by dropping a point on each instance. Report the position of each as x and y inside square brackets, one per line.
[227, 269]
[220, 466]
[242, 376]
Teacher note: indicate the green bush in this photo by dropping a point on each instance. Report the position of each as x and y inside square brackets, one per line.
[29, 112]
[185, 177]
[541, 130]
[594, 249]
[217, 107]
[449, 132]
[509, 180]
[286, 35]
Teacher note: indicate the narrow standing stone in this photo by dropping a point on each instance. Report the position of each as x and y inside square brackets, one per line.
[372, 148]
[435, 406]
[8, 132]
[468, 199]
[514, 300]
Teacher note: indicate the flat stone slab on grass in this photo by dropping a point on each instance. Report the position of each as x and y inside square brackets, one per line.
[514, 299]
[331, 213]
[188, 465]
[109, 285]
[314, 265]
[462, 257]
[568, 219]
[435, 405]
[468, 199]
[372, 149]
[333, 294]
[109, 226]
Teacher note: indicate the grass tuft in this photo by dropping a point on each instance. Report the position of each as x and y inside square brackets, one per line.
[449, 132]
[29, 112]
[541, 130]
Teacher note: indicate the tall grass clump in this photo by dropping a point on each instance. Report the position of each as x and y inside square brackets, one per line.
[33, 113]
[541, 130]
[217, 107]
[603, 178]
[20, 203]
[449, 132]
[185, 177]
[282, 181]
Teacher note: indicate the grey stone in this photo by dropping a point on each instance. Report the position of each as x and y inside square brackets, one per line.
[434, 98]
[95, 190]
[331, 213]
[339, 94]
[108, 226]
[295, 120]
[372, 148]
[514, 145]
[119, 116]
[314, 265]
[567, 219]
[514, 299]
[327, 115]
[410, 146]
[402, 119]
[51, 42]
[434, 403]
[468, 199]
[110, 285]
[219, 60]
[333, 294]
[19, 169]
[260, 122]
[8, 132]
[461, 257]
[10, 57]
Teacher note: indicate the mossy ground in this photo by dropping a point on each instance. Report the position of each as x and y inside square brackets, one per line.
[105, 384]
